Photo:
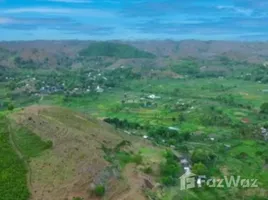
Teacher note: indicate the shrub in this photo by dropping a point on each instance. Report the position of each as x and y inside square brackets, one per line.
[148, 170]
[264, 108]
[49, 144]
[200, 169]
[168, 180]
[99, 191]
[77, 198]
[199, 155]
[203, 156]
[137, 159]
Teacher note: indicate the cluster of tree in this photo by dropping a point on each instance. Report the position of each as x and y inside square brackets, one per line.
[22, 63]
[192, 67]
[117, 76]
[123, 123]
[229, 62]
[248, 131]
[203, 155]
[215, 117]
[170, 170]
[7, 105]
[231, 100]
[211, 74]
[172, 137]
[201, 159]
[217, 87]
[186, 67]
[117, 50]
[258, 73]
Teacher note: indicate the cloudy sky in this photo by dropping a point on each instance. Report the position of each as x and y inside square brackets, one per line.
[134, 19]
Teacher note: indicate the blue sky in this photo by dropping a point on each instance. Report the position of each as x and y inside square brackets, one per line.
[134, 19]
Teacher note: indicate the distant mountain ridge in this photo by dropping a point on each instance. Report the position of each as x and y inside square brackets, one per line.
[70, 53]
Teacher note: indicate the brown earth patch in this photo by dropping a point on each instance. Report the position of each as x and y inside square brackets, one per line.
[76, 159]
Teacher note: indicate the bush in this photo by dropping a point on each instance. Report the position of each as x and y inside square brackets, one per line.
[49, 144]
[168, 180]
[10, 107]
[148, 170]
[199, 155]
[200, 169]
[99, 191]
[203, 156]
[77, 198]
[137, 159]
[264, 108]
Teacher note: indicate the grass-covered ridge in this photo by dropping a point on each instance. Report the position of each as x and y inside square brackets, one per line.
[111, 49]
[29, 143]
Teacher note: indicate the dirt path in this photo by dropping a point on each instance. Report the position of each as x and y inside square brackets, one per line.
[21, 156]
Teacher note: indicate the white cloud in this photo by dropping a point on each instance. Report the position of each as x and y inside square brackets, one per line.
[244, 11]
[49, 10]
[4, 20]
[71, 1]
[37, 10]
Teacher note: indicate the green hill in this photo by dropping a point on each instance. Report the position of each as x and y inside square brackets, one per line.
[111, 49]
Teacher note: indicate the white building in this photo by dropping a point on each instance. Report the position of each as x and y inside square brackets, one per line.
[99, 89]
[152, 96]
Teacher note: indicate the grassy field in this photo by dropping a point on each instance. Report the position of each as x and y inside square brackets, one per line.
[237, 99]
[29, 144]
[206, 108]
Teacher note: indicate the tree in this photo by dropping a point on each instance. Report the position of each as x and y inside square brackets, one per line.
[10, 107]
[199, 155]
[264, 108]
[200, 169]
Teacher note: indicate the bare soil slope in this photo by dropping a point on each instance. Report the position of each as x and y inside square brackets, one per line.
[76, 160]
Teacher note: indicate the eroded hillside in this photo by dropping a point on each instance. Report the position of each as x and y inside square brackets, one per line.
[75, 163]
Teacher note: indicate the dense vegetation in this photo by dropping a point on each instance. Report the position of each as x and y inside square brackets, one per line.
[170, 170]
[114, 50]
[13, 183]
